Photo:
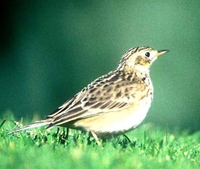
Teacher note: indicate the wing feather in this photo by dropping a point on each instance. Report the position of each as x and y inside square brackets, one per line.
[93, 100]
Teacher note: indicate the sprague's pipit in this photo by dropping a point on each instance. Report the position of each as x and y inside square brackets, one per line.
[112, 104]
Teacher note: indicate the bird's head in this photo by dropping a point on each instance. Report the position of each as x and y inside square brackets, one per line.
[139, 59]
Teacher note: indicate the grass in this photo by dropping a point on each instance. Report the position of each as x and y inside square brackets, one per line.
[146, 147]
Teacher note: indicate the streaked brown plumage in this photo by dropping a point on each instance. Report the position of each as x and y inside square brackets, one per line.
[112, 104]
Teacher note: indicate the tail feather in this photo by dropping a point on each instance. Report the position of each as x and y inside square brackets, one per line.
[30, 126]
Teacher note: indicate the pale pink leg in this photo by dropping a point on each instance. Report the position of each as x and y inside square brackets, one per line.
[95, 137]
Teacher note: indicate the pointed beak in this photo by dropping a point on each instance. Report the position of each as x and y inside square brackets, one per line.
[161, 52]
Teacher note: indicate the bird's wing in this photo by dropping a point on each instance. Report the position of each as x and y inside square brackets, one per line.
[98, 97]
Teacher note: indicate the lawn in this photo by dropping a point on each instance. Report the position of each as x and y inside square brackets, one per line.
[147, 147]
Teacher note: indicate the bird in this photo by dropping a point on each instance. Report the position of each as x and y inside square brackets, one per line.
[114, 103]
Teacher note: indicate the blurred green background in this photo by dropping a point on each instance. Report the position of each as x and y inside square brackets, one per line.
[49, 50]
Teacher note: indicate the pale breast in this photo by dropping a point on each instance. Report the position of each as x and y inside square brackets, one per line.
[115, 122]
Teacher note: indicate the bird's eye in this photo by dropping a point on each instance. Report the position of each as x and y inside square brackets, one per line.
[147, 54]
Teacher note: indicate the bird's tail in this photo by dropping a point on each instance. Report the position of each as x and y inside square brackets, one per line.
[33, 125]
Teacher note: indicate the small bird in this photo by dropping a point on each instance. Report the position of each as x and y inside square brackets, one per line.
[112, 104]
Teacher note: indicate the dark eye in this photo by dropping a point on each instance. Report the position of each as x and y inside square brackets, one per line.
[147, 54]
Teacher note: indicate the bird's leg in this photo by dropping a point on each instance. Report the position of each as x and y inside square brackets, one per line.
[95, 137]
[127, 138]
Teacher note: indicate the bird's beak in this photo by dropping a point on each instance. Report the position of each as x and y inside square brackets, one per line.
[161, 52]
